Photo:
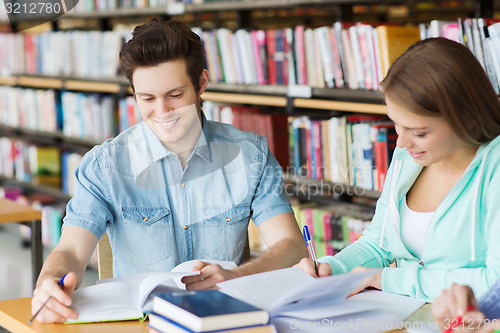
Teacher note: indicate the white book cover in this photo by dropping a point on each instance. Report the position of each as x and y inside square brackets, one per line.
[494, 32]
[351, 74]
[366, 52]
[309, 57]
[476, 37]
[244, 41]
[224, 39]
[237, 57]
[325, 50]
[318, 68]
[356, 56]
[489, 61]
[363, 155]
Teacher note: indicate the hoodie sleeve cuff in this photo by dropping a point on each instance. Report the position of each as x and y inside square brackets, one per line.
[337, 268]
[402, 281]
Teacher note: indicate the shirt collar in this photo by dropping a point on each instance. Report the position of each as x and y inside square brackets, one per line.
[155, 150]
[202, 147]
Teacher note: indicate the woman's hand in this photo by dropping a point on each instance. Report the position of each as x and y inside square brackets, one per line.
[307, 265]
[374, 280]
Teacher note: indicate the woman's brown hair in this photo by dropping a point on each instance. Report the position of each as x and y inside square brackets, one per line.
[438, 77]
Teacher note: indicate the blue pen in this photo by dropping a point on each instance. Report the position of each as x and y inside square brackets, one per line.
[61, 284]
[312, 254]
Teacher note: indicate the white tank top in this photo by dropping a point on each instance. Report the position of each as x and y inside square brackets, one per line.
[413, 228]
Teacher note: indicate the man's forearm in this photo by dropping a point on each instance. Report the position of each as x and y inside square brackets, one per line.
[285, 253]
[59, 263]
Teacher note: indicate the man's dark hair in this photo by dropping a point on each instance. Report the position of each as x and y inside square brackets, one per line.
[156, 42]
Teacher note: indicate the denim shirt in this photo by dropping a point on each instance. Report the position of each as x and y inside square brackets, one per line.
[158, 215]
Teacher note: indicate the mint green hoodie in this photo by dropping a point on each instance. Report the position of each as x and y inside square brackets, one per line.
[462, 242]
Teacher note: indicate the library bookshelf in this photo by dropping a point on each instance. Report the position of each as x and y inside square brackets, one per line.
[293, 100]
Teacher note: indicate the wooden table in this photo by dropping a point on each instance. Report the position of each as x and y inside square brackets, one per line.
[11, 211]
[15, 314]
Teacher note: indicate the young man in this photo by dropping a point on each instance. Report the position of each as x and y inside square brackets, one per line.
[173, 188]
[478, 315]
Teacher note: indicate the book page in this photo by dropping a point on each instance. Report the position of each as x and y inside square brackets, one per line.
[371, 321]
[290, 291]
[165, 280]
[263, 289]
[369, 300]
[401, 305]
[330, 289]
[104, 302]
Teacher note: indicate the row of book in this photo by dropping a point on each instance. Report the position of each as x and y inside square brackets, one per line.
[344, 55]
[480, 35]
[353, 149]
[40, 165]
[82, 115]
[351, 55]
[273, 126]
[67, 53]
[332, 226]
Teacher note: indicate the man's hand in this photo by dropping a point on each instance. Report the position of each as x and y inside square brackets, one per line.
[458, 301]
[307, 265]
[57, 309]
[210, 275]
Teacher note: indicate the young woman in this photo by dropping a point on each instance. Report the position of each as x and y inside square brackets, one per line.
[437, 217]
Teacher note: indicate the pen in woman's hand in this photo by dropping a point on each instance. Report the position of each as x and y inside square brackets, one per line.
[61, 284]
[312, 254]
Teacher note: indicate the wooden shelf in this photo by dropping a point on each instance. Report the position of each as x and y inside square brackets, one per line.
[39, 82]
[107, 85]
[339, 106]
[92, 86]
[244, 99]
[36, 188]
[252, 89]
[8, 81]
[48, 137]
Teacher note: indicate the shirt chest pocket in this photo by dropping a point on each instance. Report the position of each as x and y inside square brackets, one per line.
[225, 231]
[148, 233]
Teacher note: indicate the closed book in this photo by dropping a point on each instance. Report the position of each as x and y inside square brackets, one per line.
[162, 324]
[393, 41]
[207, 310]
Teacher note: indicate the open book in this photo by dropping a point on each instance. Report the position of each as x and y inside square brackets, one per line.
[128, 297]
[292, 293]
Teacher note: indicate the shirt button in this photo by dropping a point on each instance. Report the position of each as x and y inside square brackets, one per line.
[183, 185]
[185, 227]
[228, 219]
[145, 219]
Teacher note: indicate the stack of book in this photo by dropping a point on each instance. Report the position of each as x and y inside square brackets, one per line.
[206, 311]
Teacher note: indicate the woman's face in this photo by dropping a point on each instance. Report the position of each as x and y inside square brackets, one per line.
[428, 140]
